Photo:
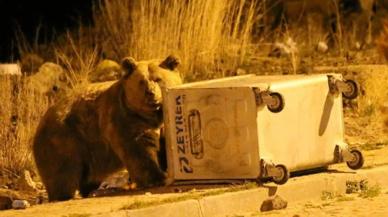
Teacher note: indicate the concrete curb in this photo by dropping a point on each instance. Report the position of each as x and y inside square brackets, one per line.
[187, 208]
[297, 189]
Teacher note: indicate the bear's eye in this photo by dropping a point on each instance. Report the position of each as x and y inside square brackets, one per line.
[158, 80]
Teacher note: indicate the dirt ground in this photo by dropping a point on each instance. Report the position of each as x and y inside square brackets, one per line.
[349, 205]
[129, 200]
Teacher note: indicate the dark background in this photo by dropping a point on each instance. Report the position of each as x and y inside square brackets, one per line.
[53, 17]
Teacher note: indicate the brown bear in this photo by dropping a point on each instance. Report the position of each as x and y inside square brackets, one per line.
[83, 139]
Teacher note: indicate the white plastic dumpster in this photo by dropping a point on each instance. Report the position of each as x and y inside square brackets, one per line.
[250, 127]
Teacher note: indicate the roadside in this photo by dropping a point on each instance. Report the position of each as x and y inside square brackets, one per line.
[219, 201]
[345, 205]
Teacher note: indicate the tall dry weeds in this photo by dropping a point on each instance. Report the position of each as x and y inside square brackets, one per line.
[382, 40]
[211, 36]
[78, 60]
[382, 44]
[21, 110]
[22, 106]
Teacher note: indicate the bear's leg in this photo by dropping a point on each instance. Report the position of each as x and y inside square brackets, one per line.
[162, 154]
[145, 168]
[60, 191]
[86, 185]
[86, 188]
[139, 155]
[58, 162]
[61, 184]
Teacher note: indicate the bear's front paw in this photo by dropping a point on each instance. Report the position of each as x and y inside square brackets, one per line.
[149, 138]
[152, 179]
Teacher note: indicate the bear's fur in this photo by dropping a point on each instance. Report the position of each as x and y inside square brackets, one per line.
[85, 138]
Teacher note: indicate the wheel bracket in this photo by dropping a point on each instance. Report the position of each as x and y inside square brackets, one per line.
[347, 87]
[273, 100]
[347, 156]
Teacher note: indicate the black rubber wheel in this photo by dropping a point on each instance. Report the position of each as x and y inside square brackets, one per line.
[354, 90]
[285, 175]
[358, 162]
[279, 105]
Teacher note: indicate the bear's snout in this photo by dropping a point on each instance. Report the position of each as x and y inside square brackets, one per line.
[150, 93]
[153, 100]
[153, 96]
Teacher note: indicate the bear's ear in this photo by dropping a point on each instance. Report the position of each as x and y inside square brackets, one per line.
[129, 65]
[171, 62]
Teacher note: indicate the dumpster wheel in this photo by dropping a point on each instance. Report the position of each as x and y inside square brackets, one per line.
[353, 93]
[279, 103]
[284, 175]
[358, 160]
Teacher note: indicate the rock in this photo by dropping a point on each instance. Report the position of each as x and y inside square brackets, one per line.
[114, 184]
[322, 47]
[358, 45]
[39, 185]
[25, 182]
[49, 80]
[14, 195]
[273, 203]
[385, 122]
[106, 70]
[107, 192]
[237, 72]
[20, 204]
[30, 63]
[5, 202]
[356, 186]
[384, 108]
[178, 190]
[39, 199]
[119, 180]
[278, 50]
[288, 48]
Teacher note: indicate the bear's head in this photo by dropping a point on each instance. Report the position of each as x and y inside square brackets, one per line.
[144, 80]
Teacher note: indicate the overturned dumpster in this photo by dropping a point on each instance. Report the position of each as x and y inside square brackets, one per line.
[256, 127]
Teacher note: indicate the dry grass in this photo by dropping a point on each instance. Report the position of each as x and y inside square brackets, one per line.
[382, 40]
[23, 106]
[375, 94]
[20, 112]
[211, 36]
[78, 60]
